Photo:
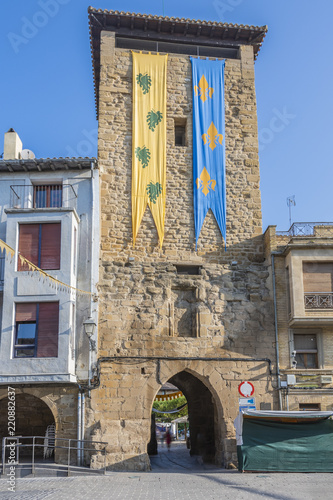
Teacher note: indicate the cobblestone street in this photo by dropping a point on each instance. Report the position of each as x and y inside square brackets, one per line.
[174, 476]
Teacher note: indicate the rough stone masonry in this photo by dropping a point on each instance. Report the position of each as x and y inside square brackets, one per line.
[155, 311]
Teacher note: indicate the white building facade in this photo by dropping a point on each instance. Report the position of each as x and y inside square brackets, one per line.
[49, 215]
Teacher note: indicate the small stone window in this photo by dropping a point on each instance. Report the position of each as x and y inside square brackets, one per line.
[180, 131]
[188, 269]
[309, 406]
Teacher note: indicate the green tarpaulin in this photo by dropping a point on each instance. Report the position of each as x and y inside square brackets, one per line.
[286, 443]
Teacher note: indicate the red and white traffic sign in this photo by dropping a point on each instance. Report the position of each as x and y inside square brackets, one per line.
[246, 389]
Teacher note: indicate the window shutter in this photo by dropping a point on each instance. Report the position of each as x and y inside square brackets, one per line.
[50, 246]
[28, 244]
[26, 312]
[48, 330]
[317, 277]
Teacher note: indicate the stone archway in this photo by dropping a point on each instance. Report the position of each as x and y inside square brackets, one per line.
[32, 417]
[204, 419]
[201, 412]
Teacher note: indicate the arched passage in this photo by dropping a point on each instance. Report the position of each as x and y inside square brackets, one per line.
[32, 416]
[201, 415]
[205, 438]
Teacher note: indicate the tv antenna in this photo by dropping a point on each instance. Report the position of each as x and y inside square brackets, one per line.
[291, 203]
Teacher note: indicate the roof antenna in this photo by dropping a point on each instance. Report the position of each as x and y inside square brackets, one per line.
[291, 203]
[163, 7]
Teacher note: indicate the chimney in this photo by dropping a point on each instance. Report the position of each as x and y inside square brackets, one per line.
[12, 146]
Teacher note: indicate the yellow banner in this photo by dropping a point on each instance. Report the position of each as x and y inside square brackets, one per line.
[149, 140]
[168, 397]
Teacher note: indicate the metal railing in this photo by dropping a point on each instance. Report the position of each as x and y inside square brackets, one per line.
[309, 229]
[318, 300]
[42, 196]
[15, 443]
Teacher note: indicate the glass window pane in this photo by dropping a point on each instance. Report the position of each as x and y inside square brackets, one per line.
[55, 196]
[300, 361]
[24, 353]
[305, 341]
[311, 360]
[25, 333]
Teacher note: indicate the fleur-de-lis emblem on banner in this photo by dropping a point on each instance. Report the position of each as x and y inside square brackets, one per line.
[203, 89]
[205, 183]
[212, 137]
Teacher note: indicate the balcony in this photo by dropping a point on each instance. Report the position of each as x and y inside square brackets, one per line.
[42, 196]
[318, 300]
[308, 230]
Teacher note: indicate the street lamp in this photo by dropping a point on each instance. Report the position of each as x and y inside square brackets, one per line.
[89, 326]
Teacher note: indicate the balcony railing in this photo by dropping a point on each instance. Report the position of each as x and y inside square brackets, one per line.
[318, 300]
[43, 196]
[309, 229]
[2, 271]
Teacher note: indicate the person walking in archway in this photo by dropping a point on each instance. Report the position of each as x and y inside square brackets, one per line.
[168, 438]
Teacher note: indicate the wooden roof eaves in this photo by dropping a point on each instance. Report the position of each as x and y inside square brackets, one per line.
[147, 26]
[46, 164]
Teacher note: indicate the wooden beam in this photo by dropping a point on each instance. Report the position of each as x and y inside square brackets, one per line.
[179, 37]
[97, 20]
[9, 167]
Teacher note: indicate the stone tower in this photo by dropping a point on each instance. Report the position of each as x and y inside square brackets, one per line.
[200, 319]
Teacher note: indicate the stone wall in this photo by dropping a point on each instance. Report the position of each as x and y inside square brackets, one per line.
[150, 309]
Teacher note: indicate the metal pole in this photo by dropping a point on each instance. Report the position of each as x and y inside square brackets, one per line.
[83, 403]
[33, 456]
[3, 455]
[79, 414]
[89, 367]
[276, 335]
[69, 457]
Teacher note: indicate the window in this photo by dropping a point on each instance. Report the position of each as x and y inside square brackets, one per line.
[305, 346]
[48, 196]
[36, 330]
[188, 269]
[180, 131]
[318, 285]
[318, 277]
[40, 243]
[309, 406]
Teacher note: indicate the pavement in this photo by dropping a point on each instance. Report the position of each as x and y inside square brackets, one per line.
[174, 476]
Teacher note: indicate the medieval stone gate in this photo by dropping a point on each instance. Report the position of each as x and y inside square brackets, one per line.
[199, 316]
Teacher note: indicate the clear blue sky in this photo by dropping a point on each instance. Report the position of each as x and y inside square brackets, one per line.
[47, 88]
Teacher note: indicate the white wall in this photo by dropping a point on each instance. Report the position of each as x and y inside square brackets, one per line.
[24, 287]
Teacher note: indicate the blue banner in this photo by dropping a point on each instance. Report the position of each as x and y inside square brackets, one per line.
[208, 143]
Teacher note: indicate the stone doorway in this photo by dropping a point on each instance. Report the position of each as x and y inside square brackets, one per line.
[202, 416]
